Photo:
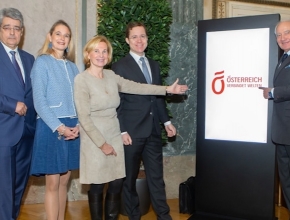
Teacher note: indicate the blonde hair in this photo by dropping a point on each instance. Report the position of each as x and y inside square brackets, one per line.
[91, 45]
[69, 53]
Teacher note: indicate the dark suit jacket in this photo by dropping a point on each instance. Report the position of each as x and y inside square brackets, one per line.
[13, 126]
[281, 108]
[139, 113]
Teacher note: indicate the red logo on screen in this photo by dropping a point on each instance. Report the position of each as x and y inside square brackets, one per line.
[216, 80]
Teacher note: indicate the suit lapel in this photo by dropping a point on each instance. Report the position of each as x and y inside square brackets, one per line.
[154, 72]
[136, 68]
[5, 61]
[25, 67]
[279, 68]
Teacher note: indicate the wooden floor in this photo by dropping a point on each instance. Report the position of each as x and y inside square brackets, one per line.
[79, 211]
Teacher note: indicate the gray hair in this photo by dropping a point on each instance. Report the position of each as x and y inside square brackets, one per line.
[286, 21]
[11, 13]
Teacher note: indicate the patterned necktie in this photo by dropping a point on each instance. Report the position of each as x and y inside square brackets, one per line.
[284, 57]
[145, 70]
[16, 67]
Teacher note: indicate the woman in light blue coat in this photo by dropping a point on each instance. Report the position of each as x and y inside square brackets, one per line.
[56, 144]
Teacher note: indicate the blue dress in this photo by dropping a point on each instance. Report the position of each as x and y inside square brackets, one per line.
[52, 155]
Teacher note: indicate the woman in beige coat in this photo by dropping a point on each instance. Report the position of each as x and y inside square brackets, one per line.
[96, 97]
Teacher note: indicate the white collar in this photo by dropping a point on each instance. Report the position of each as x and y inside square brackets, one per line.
[8, 49]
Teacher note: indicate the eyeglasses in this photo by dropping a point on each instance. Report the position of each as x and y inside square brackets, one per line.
[16, 28]
[135, 37]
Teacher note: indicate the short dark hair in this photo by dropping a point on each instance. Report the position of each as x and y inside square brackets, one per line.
[133, 24]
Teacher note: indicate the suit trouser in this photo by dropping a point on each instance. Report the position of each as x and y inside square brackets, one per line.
[283, 160]
[150, 150]
[14, 173]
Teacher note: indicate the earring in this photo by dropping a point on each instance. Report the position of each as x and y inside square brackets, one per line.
[66, 50]
[50, 45]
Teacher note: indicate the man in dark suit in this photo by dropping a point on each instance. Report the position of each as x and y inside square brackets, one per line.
[140, 118]
[17, 114]
[280, 94]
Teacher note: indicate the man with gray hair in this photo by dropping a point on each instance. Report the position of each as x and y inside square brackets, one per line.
[280, 94]
[17, 114]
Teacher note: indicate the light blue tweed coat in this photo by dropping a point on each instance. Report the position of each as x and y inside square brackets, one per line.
[53, 85]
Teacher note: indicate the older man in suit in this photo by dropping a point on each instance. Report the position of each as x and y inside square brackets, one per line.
[17, 114]
[280, 94]
[140, 117]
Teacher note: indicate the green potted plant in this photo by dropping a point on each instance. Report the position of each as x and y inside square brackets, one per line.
[114, 15]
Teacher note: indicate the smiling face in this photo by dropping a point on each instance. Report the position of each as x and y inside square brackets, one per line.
[60, 38]
[10, 32]
[99, 55]
[283, 35]
[137, 40]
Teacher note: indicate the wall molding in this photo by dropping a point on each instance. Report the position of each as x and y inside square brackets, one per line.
[219, 6]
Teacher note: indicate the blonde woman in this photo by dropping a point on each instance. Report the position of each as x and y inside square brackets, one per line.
[56, 144]
[97, 98]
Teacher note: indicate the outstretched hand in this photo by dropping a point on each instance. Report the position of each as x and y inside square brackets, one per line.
[175, 88]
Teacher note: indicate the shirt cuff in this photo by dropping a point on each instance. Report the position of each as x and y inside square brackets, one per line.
[272, 93]
[167, 123]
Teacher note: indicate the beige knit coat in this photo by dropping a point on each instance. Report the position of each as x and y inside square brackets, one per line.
[96, 101]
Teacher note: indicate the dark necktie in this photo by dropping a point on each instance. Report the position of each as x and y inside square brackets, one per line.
[16, 67]
[145, 70]
[284, 57]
